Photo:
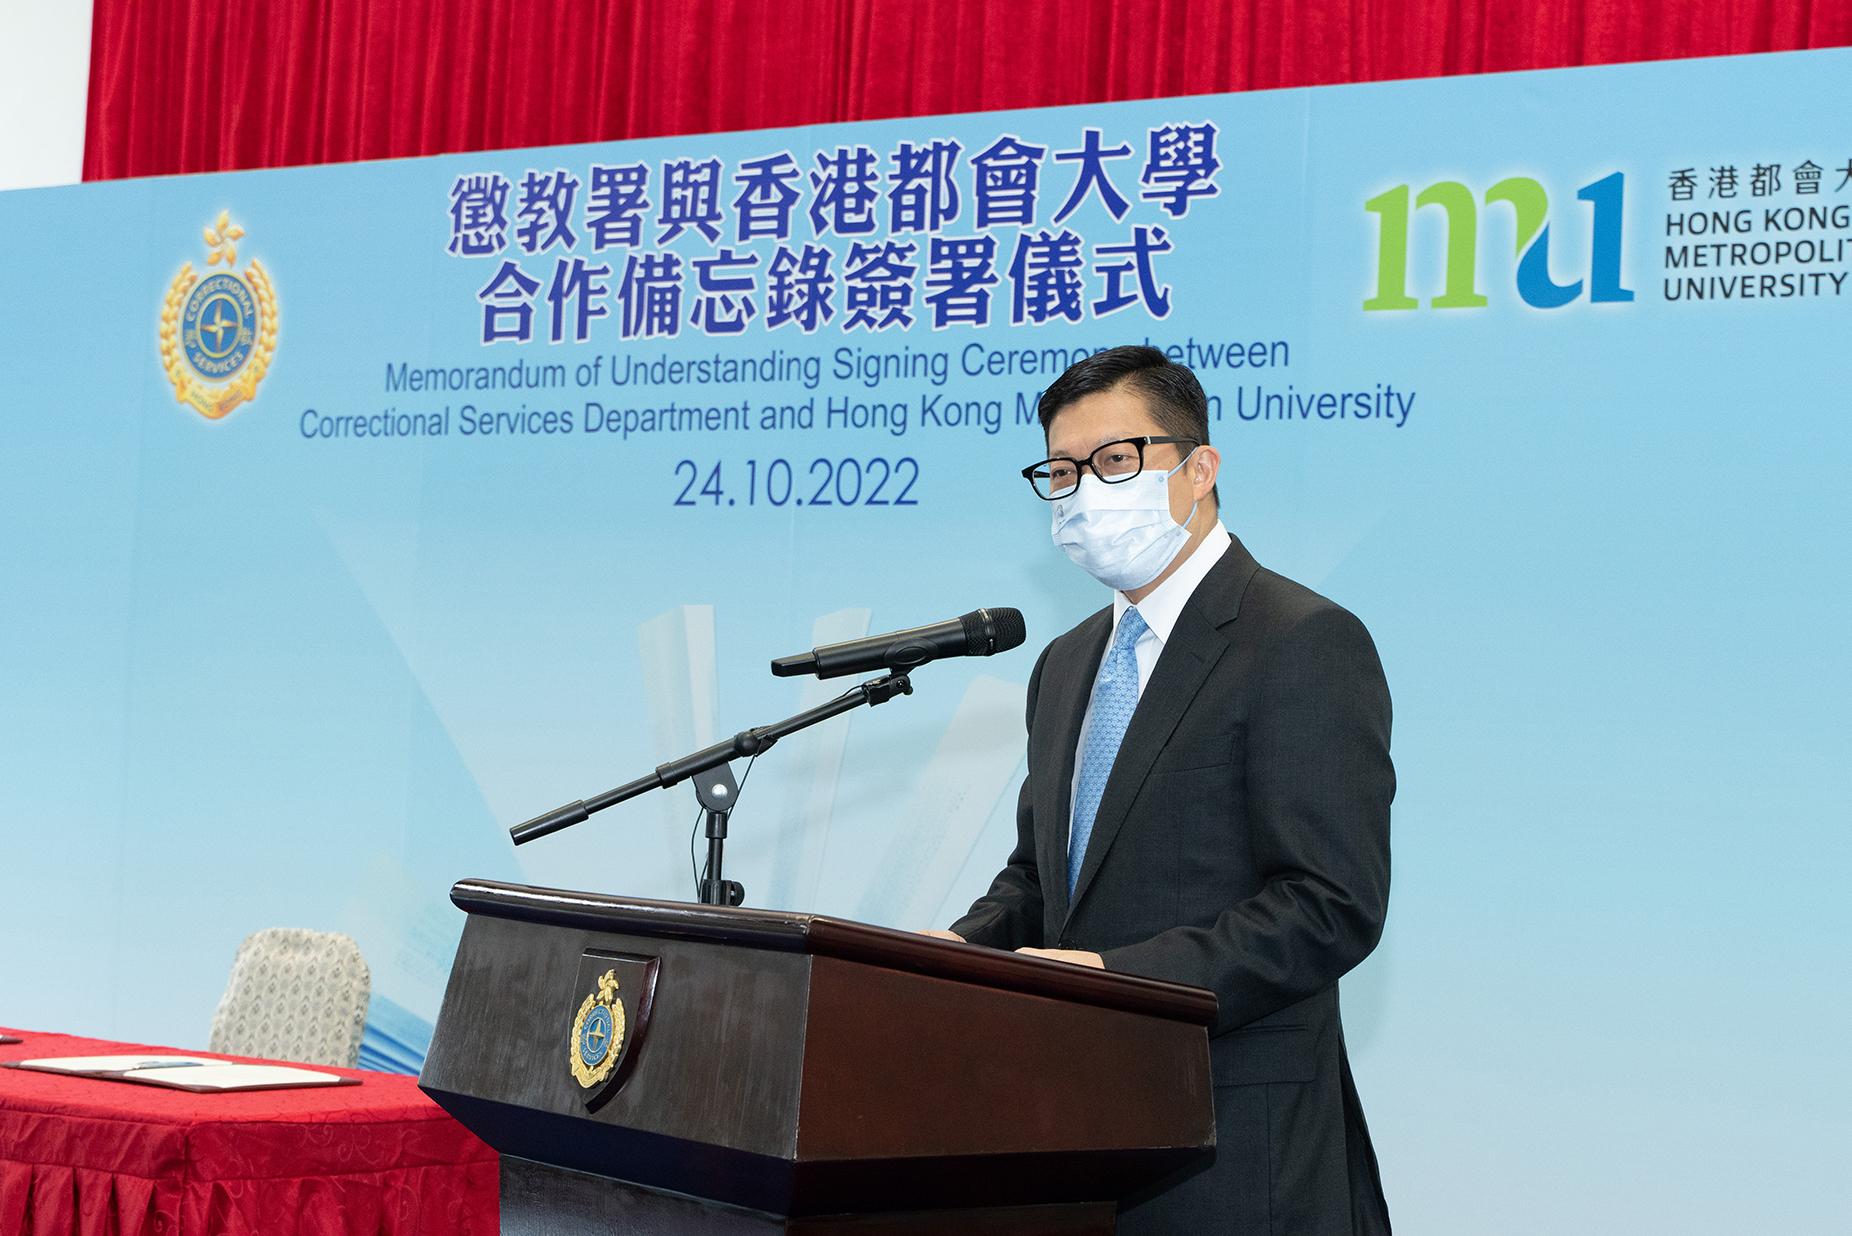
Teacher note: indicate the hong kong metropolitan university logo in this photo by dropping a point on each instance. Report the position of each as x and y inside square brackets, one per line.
[1529, 206]
[219, 332]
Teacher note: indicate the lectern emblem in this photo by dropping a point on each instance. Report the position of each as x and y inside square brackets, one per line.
[598, 1033]
[601, 1047]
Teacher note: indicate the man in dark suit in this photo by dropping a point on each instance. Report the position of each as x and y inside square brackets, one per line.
[1207, 800]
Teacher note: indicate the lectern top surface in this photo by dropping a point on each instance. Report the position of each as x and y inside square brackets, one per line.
[821, 935]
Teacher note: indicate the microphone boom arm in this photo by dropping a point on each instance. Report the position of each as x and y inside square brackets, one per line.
[750, 742]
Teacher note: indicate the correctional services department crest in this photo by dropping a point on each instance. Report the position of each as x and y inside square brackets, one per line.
[601, 1047]
[219, 331]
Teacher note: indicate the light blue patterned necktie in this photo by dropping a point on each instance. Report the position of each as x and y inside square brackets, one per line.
[1115, 695]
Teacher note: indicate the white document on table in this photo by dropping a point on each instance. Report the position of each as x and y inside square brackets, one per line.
[219, 1075]
[113, 1064]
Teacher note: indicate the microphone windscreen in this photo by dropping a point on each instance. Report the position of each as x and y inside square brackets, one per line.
[990, 631]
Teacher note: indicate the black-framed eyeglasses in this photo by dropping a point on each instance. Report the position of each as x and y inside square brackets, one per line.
[1113, 463]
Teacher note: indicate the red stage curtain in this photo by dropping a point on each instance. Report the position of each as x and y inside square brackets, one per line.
[210, 85]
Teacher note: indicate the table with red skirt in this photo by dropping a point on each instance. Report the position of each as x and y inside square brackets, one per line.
[107, 1158]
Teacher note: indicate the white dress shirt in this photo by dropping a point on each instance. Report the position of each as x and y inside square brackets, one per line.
[1160, 611]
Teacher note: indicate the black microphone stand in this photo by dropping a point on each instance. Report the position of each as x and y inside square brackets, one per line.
[716, 793]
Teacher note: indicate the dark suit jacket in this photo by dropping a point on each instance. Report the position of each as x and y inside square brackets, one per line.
[1241, 844]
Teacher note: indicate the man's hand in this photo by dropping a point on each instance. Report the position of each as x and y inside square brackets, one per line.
[943, 935]
[1072, 956]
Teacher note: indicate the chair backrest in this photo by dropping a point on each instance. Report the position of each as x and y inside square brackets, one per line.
[294, 995]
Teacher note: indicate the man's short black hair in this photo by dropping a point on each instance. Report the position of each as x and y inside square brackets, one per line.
[1172, 393]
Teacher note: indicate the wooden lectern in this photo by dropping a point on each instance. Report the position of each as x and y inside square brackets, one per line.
[660, 1067]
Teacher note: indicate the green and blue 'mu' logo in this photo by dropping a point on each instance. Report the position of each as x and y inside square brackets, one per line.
[1531, 205]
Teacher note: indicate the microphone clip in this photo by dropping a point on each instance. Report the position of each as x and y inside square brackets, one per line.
[881, 690]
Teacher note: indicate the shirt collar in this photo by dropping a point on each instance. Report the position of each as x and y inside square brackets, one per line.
[1165, 604]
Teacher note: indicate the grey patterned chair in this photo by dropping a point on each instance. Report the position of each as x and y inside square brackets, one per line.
[294, 995]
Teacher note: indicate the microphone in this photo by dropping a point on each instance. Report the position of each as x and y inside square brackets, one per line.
[976, 634]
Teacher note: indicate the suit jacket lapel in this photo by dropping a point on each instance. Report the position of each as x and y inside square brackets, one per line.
[1194, 646]
[1064, 695]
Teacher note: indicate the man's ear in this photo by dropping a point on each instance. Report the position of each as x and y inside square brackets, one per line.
[1205, 465]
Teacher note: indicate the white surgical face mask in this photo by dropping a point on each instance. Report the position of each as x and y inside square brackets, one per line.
[1122, 535]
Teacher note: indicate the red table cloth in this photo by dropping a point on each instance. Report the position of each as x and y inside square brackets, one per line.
[103, 1158]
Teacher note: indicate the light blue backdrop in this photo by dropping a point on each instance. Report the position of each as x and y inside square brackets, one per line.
[255, 678]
